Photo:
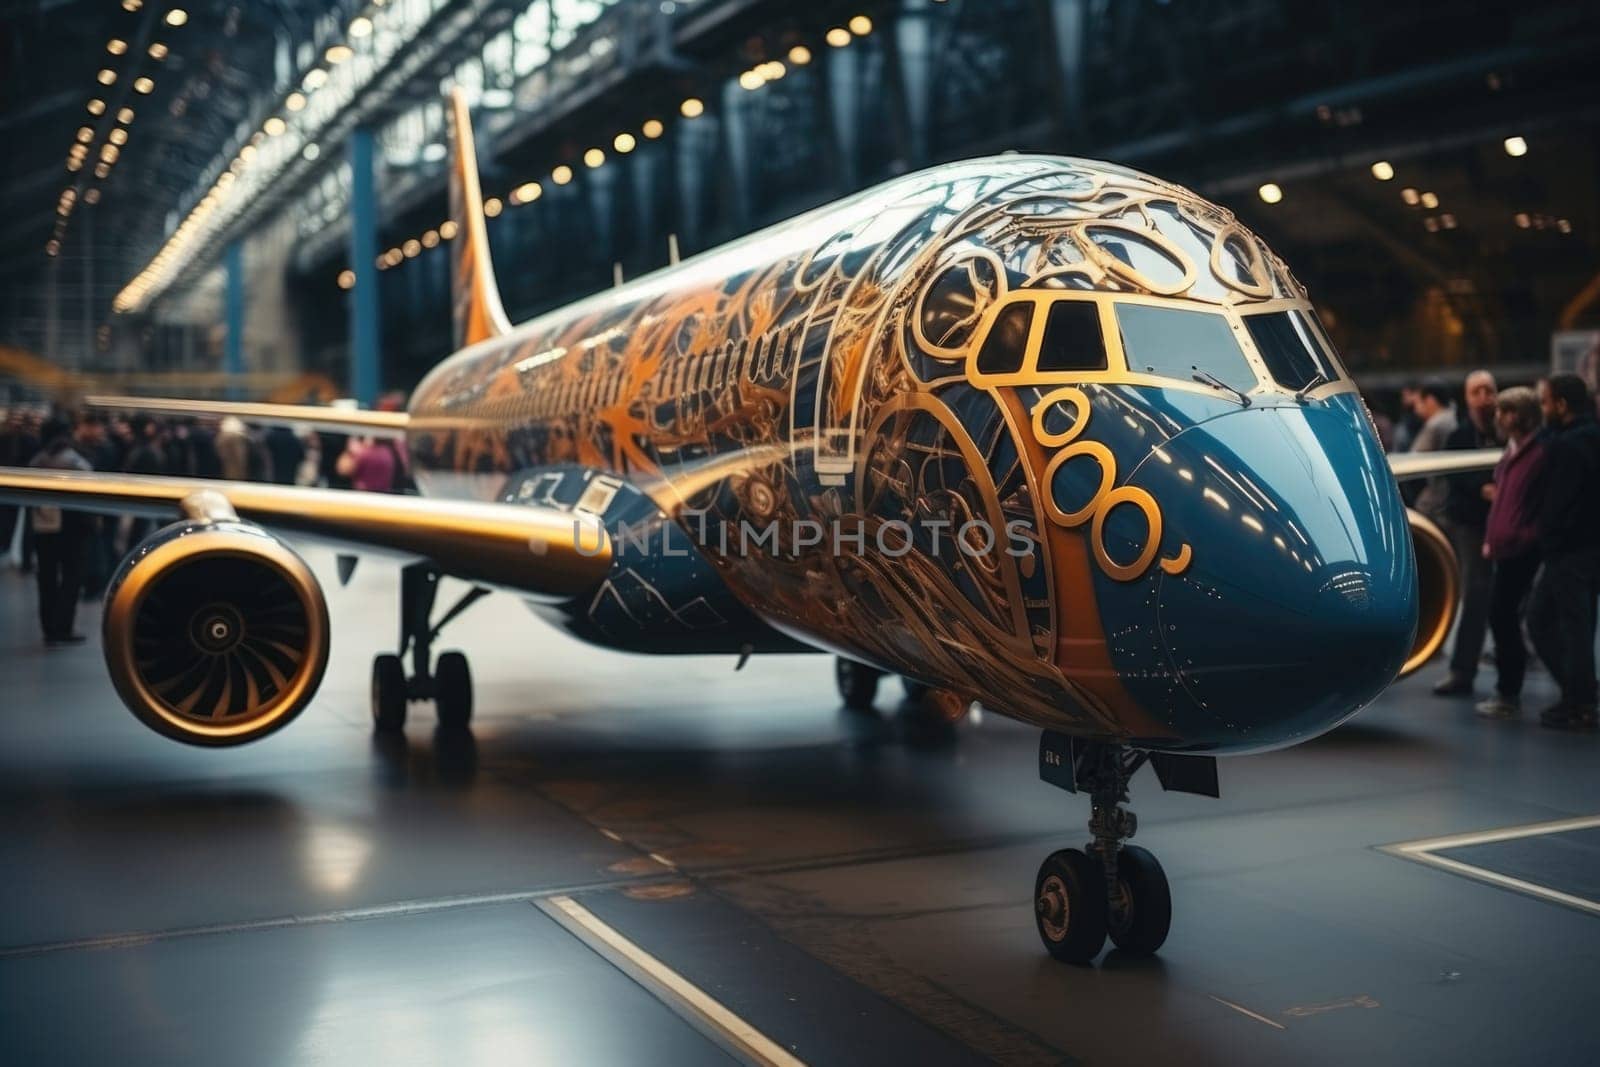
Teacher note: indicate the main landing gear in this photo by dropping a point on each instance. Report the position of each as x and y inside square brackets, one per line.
[447, 681]
[1109, 888]
[858, 689]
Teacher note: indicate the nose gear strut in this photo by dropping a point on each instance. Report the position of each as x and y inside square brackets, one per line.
[1109, 888]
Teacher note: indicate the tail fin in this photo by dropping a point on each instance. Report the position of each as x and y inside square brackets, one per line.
[475, 297]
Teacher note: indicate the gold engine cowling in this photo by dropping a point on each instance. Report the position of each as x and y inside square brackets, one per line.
[1438, 589]
[216, 632]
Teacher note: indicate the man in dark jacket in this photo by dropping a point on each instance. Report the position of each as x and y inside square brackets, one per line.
[59, 538]
[1561, 610]
[1465, 513]
[1511, 542]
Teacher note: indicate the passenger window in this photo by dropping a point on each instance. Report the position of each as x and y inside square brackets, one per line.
[1176, 343]
[1007, 341]
[1072, 339]
[1288, 347]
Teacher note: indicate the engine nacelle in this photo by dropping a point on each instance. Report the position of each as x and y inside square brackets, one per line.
[216, 632]
[1438, 589]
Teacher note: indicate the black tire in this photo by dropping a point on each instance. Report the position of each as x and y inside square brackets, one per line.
[915, 690]
[452, 691]
[1070, 906]
[388, 694]
[858, 683]
[1139, 919]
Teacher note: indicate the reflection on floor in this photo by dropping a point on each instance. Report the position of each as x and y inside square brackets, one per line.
[852, 887]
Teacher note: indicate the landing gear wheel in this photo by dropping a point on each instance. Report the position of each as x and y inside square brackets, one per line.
[452, 691]
[858, 683]
[1140, 913]
[388, 694]
[1069, 906]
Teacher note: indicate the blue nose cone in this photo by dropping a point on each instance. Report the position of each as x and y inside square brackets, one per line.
[1300, 603]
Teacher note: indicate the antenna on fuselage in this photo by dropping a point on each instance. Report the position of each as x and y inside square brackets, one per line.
[672, 249]
[616, 274]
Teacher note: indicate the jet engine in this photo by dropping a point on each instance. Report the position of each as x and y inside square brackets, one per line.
[1438, 589]
[216, 632]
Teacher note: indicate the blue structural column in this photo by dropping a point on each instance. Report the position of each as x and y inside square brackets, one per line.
[364, 263]
[233, 311]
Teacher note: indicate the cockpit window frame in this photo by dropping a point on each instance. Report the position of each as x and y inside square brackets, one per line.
[1117, 370]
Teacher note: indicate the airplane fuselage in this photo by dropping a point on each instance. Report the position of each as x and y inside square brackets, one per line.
[1055, 435]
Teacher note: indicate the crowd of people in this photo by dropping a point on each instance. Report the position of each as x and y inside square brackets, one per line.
[1526, 535]
[74, 554]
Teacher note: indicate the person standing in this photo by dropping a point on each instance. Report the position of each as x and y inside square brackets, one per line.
[59, 539]
[1511, 543]
[1438, 415]
[1465, 514]
[1561, 608]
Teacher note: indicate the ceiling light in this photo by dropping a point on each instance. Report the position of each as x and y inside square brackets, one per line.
[772, 70]
[132, 5]
[447, 229]
[1383, 170]
[360, 26]
[561, 175]
[177, 17]
[412, 247]
[116, 46]
[92, 196]
[125, 115]
[1270, 193]
[799, 55]
[314, 78]
[338, 53]
[1516, 146]
[652, 128]
[102, 169]
[294, 101]
[109, 152]
[1409, 195]
[106, 76]
[1430, 201]
[97, 107]
[692, 108]
[118, 136]
[861, 25]
[311, 151]
[838, 37]
[143, 85]
[430, 239]
[247, 152]
[85, 134]
[75, 164]
[624, 143]
[274, 126]
[347, 279]
[492, 207]
[593, 158]
[158, 51]
[751, 80]
[527, 193]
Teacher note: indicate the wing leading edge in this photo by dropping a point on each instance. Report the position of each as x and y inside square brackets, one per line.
[1407, 466]
[538, 552]
[329, 419]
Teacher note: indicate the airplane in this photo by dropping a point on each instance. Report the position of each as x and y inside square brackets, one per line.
[1046, 435]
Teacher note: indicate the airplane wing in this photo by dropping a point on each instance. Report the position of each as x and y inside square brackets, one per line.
[329, 419]
[533, 551]
[1407, 466]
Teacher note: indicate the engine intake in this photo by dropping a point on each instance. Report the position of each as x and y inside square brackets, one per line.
[1438, 589]
[216, 632]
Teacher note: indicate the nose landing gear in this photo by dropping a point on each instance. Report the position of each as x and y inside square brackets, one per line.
[447, 681]
[1109, 888]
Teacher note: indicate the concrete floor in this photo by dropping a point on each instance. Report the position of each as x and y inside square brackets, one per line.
[855, 888]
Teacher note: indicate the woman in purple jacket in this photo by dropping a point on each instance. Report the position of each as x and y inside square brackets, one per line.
[1511, 542]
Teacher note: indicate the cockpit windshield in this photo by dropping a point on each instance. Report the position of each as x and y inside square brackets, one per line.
[1177, 343]
[1289, 347]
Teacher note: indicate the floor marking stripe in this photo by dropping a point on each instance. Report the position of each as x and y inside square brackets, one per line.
[376, 911]
[667, 985]
[1242, 1010]
[1423, 851]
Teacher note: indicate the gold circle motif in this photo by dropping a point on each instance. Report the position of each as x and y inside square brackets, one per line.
[1080, 416]
[1128, 494]
[1108, 477]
